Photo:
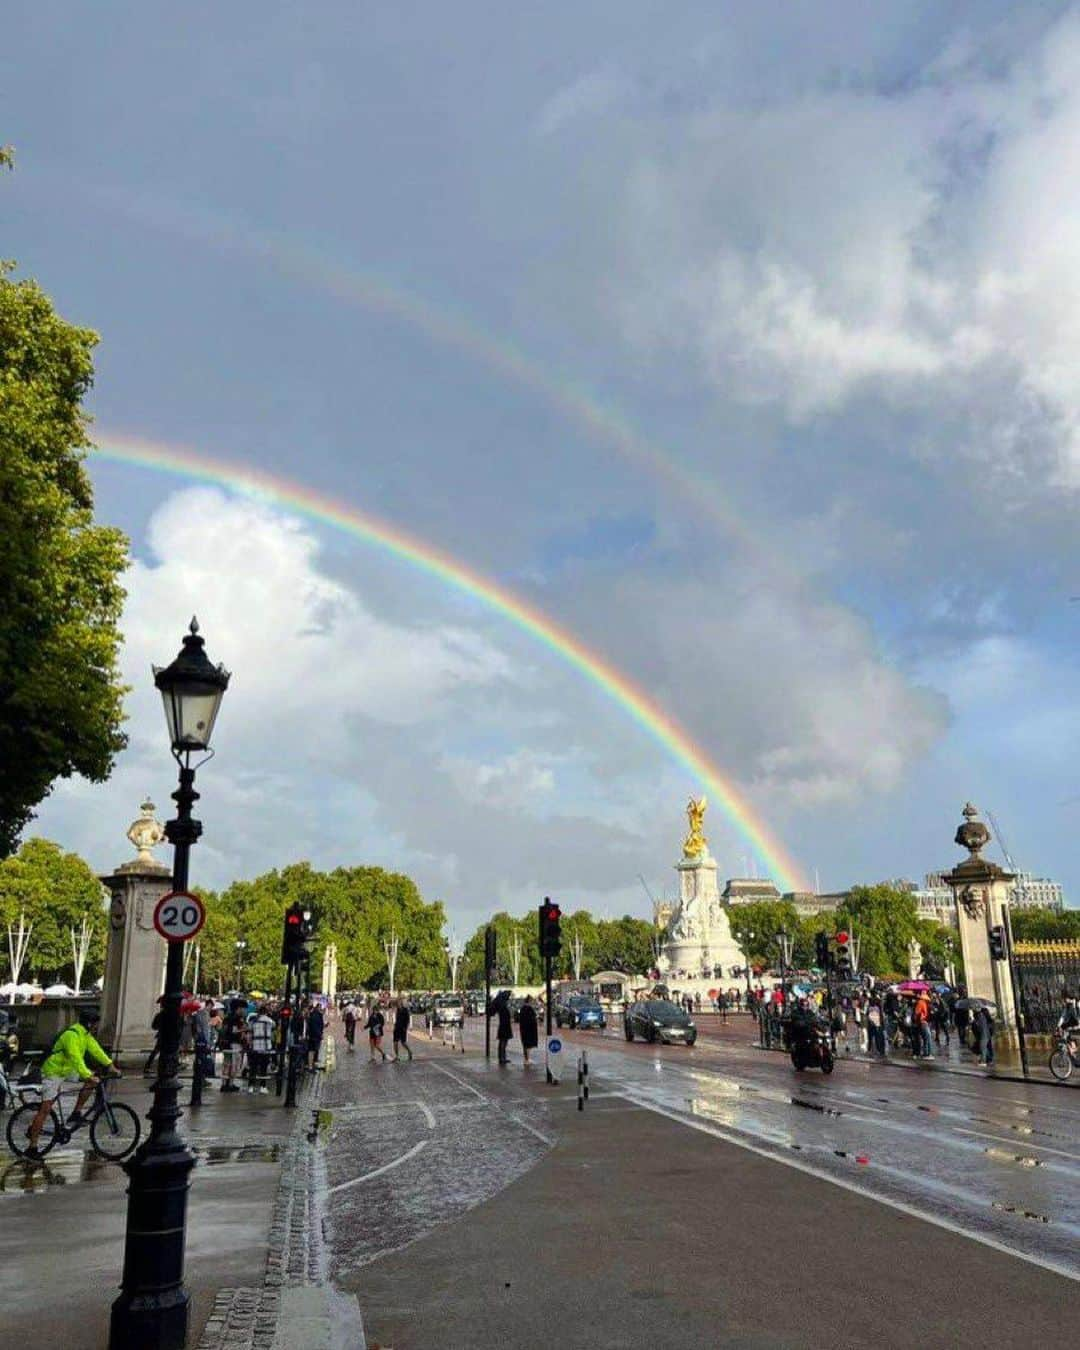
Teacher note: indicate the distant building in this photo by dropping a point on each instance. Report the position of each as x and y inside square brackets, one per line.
[1029, 891]
[934, 900]
[809, 902]
[748, 890]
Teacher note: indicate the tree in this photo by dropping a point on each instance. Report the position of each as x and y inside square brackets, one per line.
[55, 890]
[60, 592]
[1042, 924]
[766, 918]
[886, 919]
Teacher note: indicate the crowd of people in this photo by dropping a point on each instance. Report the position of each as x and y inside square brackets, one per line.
[236, 1040]
[884, 1019]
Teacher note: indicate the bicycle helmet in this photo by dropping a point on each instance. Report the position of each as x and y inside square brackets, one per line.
[89, 1017]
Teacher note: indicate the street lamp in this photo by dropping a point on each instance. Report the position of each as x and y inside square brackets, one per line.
[783, 941]
[744, 939]
[241, 949]
[153, 1307]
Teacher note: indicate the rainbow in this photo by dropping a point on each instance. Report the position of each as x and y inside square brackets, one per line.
[325, 510]
[456, 330]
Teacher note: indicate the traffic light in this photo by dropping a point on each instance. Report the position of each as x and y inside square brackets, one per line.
[550, 937]
[843, 954]
[821, 950]
[489, 949]
[292, 942]
[997, 943]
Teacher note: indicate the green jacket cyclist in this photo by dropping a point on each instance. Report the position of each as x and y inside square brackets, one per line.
[66, 1062]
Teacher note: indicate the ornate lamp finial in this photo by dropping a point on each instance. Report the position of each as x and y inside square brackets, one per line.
[146, 833]
[973, 834]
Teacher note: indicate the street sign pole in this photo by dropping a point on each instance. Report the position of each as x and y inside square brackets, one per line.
[1018, 995]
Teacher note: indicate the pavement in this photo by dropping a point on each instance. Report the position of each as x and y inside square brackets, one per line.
[703, 1197]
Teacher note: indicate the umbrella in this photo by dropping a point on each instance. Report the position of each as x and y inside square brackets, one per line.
[913, 987]
[59, 991]
[713, 994]
[972, 1003]
[189, 1005]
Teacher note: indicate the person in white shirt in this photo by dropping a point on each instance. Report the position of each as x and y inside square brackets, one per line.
[260, 1045]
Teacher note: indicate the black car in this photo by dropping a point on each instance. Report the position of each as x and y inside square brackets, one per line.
[658, 1020]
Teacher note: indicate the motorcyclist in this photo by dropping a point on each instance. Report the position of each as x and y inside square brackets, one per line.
[805, 1022]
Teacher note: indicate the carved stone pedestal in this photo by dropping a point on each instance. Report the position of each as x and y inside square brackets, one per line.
[981, 890]
[135, 960]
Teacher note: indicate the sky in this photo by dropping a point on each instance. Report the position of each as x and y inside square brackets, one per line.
[737, 340]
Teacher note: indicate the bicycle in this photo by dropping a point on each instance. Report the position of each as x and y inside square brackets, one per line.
[1065, 1058]
[114, 1128]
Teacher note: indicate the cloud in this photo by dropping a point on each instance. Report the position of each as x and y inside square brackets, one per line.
[590, 94]
[912, 245]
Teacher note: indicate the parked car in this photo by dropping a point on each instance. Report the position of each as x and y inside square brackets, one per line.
[580, 1010]
[448, 1010]
[659, 1020]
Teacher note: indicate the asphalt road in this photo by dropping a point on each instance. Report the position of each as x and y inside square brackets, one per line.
[703, 1197]
[998, 1161]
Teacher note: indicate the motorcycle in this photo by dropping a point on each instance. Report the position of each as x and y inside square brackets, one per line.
[812, 1049]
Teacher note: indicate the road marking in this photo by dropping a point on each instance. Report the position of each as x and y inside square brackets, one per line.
[490, 1101]
[460, 1081]
[364, 1108]
[856, 1189]
[386, 1167]
[1043, 1148]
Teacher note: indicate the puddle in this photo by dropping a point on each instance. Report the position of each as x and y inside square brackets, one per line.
[70, 1167]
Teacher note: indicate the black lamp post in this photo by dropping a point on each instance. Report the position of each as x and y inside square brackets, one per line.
[151, 1312]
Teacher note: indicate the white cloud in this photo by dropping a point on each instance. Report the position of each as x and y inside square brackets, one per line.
[917, 246]
[586, 96]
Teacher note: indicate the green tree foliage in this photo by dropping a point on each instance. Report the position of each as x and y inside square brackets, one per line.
[54, 889]
[766, 918]
[357, 908]
[886, 919]
[60, 593]
[607, 944]
[1045, 925]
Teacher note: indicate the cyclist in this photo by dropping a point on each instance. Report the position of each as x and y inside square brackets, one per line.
[1069, 1023]
[66, 1062]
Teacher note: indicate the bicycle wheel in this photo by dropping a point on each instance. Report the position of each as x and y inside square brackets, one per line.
[19, 1123]
[1061, 1065]
[115, 1138]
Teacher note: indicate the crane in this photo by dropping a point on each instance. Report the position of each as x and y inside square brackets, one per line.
[1018, 891]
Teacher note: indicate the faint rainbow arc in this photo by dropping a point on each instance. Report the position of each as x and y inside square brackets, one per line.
[425, 557]
[455, 330]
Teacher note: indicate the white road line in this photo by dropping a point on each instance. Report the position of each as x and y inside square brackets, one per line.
[490, 1101]
[365, 1107]
[386, 1167]
[1021, 1141]
[899, 1205]
[460, 1081]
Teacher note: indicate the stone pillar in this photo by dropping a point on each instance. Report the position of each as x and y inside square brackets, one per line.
[135, 960]
[981, 891]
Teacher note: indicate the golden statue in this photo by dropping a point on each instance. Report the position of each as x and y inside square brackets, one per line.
[695, 842]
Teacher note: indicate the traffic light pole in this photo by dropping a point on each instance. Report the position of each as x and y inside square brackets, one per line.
[547, 983]
[1018, 995]
[283, 1031]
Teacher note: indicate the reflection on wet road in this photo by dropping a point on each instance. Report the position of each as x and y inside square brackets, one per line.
[997, 1161]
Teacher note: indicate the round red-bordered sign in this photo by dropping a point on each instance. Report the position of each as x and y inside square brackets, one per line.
[179, 915]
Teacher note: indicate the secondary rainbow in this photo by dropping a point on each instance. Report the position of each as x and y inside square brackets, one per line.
[185, 463]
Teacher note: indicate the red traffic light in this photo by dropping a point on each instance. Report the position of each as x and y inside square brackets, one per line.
[842, 938]
[293, 920]
[552, 912]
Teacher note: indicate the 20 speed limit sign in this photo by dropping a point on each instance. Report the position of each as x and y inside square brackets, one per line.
[179, 915]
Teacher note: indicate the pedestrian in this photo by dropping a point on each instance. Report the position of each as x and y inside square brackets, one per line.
[260, 1045]
[316, 1025]
[504, 1031]
[375, 1026]
[920, 1028]
[155, 1027]
[528, 1028]
[401, 1029]
[204, 1055]
[984, 1030]
[229, 1039]
[875, 1027]
[349, 1017]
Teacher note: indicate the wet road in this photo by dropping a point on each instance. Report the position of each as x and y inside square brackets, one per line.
[998, 1161]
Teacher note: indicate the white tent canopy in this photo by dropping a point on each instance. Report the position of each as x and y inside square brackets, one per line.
[59, 991]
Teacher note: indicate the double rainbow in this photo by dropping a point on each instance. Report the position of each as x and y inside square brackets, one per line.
[325, 510]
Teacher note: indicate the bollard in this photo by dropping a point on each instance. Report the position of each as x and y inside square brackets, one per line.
[585, 1071]
[290, 1082]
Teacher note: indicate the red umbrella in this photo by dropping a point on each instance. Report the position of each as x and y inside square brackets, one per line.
[189, 1004]
[713, 994]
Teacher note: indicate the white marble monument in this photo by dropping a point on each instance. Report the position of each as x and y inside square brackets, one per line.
[135, 960]
[700, 935]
